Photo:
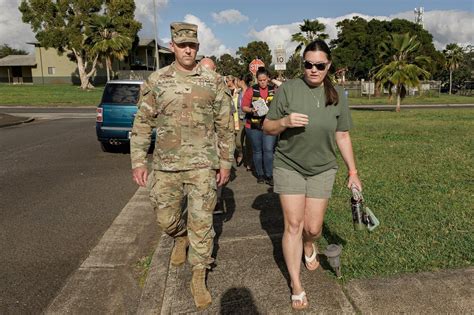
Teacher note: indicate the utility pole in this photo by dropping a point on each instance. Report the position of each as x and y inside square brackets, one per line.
[157, 55]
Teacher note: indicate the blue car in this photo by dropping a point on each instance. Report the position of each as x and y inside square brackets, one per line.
[116, 112]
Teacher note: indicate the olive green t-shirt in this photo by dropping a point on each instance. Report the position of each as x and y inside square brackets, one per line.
[309, 150]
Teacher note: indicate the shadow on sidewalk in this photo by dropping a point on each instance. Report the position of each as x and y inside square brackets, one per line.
[238, 301]
[228, 205]
[271, 220]
[331, 238]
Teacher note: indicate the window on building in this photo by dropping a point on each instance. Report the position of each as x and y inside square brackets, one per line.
[51, 70]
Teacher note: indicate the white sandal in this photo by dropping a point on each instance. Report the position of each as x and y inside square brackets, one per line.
[300, 298]
[311, 259]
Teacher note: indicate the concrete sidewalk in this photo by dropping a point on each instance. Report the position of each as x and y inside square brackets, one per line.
[250, 276]
[7, 120]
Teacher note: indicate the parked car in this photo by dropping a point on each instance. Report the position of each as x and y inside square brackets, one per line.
[116, 112]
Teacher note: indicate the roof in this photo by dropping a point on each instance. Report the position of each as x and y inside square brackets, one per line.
[18, 60]
[146, 42]
[143, 42]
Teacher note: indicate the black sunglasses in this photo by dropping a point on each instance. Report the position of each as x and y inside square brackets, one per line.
[319, 66]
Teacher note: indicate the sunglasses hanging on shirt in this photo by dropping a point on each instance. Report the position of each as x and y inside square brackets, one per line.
[319, 66]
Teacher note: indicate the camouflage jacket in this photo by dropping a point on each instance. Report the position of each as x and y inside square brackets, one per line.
[191, 114]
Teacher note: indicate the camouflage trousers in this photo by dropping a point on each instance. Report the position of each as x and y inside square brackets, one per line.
[168, 192]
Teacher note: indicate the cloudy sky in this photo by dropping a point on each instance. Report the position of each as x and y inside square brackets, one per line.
[226, 25]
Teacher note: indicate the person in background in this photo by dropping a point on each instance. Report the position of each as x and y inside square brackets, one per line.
[311, 117]
[276, 82]
[208, 63]
[190, 107]
[219, 208]
[243, 84]
[262, 144]
[234, 92]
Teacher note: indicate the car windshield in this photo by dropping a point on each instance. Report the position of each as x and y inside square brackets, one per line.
[121, 93]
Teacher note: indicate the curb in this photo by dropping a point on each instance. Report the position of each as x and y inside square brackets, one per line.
[151, 300]
[17, 122]
[46, 106]
[104, 282]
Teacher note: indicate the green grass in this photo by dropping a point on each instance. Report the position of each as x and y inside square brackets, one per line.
[48, 95]
[413, 100]
[417, 171]
[142, 267]
[69, 95]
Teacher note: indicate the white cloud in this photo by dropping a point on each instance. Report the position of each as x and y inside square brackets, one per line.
[280, 35]
[452, 26]
[277, 35]
[13, 31]
[447, 27]
[231, 16]
[144, 14]
[209, 44]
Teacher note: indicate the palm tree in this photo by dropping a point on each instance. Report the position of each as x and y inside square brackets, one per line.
[454, 56]
[309, 31]
[107, 42]
[403, 68]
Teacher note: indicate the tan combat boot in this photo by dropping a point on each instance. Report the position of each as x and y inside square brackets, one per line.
[202, 297]
[178, 255]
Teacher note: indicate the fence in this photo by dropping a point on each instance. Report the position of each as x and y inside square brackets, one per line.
[368, 88]
[133, 74]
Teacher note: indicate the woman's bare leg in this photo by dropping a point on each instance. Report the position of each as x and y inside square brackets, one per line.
[292, 242]
[313, 223]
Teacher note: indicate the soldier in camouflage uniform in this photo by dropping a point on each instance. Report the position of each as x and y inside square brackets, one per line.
[189, 106]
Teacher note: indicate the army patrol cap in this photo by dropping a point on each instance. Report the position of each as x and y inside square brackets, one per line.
[184, 33]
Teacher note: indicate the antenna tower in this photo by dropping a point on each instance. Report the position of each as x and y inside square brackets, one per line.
[419, 15]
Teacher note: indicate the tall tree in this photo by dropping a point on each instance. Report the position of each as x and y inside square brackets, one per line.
[107, 41]
[403, 67]
[293, 67]
[425, 38]
[66, 26]
[227, 64]
[353, 49]
[6, 50]
[454, 56]
[356, 46]
[309, 31]
[255, 49]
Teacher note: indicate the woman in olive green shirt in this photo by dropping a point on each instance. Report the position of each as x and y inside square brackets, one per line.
[311, 117]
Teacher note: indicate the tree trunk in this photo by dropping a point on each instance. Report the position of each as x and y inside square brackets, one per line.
[397, 109]
[107, 65]
[82, 68]
[377, 89]
[82, 72]
[450, 80]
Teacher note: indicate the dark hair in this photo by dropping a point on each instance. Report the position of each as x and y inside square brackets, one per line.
[262, 70]
[247, 78]
[331, 94]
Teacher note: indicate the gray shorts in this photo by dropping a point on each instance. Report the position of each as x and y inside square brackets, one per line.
[289, 182]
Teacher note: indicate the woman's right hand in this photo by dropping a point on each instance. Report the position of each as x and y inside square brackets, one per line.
[294, 120]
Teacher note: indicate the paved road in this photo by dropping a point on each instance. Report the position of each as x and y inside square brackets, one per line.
[59, 193]
[51, 112]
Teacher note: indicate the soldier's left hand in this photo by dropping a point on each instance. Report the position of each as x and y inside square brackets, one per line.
[140, 176]
[222, 176]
